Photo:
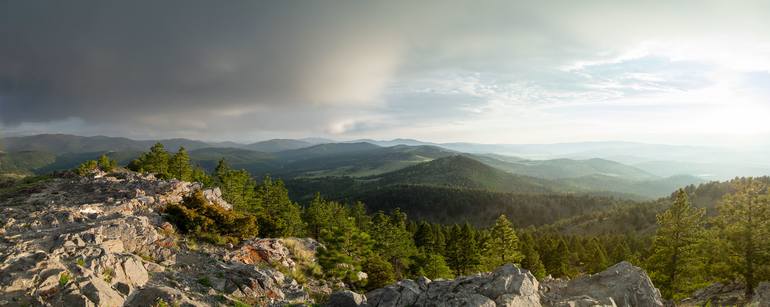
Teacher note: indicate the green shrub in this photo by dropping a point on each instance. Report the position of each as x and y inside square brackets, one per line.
[87, 167]
[204, 281]
[196, 216]
[379, 271]
[64, 278]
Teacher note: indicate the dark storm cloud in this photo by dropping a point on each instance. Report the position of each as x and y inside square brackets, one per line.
[111, 59]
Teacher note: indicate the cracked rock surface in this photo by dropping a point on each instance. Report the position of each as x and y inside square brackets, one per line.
[100, 241]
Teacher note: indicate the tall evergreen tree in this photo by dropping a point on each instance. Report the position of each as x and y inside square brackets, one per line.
[179, 165]
[675, 261]
[238, 188]
[344, 251]
[323, 215]
[557, 256]
[278, 216]
[599, 261]
[393, 241]
[156, 161]
[531, 261]
[744, 223]
[503, 244]
[425, 238]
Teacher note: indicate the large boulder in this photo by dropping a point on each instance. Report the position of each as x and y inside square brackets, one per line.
[620, 285]
[506, 286]
[345, 298]
[269, 251]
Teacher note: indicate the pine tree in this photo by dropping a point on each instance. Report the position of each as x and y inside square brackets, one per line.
[379, 272]
[358, 213]
[503, 245]
[744, 224]
[440, 235]
[199, 175]
[431, 266]
[393, 241]
[323, 215]
[238, 188]
[106, 164]
[156, 161]
[345, 249]
[462, 251]
[454, 249]
[674, 263]
[599, 261]
[532, 261]
[179, 165]
[425, 238]
[557, 256]
[278, 216]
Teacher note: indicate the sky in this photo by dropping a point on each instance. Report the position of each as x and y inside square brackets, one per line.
[673, 72]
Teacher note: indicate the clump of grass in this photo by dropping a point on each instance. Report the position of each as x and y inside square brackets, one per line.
[108, 274]
[298, 250]
[240, 304]
[64, 278]
[192, 244]
[81, 262]
[145, 257]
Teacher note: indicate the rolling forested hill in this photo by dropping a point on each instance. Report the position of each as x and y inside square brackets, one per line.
[328, 165]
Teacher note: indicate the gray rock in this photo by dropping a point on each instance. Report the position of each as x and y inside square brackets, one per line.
[152, 295]
[346, 298]
[99, 292]
[506, 286]
[622, 284]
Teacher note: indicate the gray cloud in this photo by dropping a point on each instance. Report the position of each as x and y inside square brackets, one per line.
[210, 69]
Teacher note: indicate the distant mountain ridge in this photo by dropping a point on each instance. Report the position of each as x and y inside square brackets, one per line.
[290, 159]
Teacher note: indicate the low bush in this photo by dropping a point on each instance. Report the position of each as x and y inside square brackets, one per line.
[198, 217]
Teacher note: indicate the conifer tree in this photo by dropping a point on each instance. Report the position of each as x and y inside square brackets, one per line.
[557, 256]
[462, 250]
[106, 164]
[358, 213]
[675, 261]
[599, 261]
[503, 244]
[344, 251]
[531, 261]
[744, 225]
[156, 161]
[238, 188]
[393, 241]
[278, 216]
[454, 249]
[379, 272]
[179, 165]
[425, 238]
[323, 215]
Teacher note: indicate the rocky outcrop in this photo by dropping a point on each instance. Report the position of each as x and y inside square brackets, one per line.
[506, 286]
[619, 285]
[100, 241]
[269, 251]
[346, 298]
